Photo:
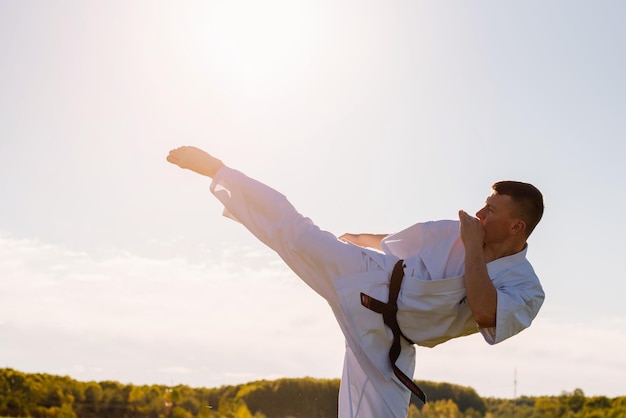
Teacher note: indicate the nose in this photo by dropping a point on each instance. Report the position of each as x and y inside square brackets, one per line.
[479, 214]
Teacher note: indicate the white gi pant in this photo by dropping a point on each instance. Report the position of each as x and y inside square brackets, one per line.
[318, 257]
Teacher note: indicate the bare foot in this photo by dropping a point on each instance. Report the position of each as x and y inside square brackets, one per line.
[195, 159]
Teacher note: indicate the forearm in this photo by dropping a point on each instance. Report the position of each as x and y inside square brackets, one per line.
[481, 293]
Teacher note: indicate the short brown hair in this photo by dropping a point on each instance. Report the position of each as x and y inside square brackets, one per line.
[526, 197]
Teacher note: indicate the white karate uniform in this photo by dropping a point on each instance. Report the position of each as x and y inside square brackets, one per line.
[432, 306]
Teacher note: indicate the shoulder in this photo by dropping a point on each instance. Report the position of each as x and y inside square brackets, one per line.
[418, 230]
[419, 236]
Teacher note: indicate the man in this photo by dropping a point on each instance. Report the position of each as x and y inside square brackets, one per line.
[448, 278]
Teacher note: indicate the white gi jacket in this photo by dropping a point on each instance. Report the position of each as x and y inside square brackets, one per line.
[432, 306]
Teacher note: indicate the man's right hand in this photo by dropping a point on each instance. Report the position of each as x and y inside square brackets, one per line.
[472, 231]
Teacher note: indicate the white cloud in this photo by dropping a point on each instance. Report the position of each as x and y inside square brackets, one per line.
[162, 320]
[120, 316]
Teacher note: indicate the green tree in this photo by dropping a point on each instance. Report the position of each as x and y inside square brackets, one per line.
[597, 402]
[464, 397]
[548, 407]
[178, 412]
[233, 408]
[93, 398]
[14, 392]
[441, 409]
[114, 400]
[573, 401]
[66, 411]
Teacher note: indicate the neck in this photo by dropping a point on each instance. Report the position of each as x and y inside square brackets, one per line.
[495, 251]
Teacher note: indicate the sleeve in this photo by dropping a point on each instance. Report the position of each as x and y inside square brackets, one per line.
[405, 243]
[519, 301]
[437, 235]
[262, 210]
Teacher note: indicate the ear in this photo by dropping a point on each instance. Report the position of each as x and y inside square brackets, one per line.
[518, 227]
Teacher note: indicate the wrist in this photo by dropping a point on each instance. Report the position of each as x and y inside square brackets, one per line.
[473, 248]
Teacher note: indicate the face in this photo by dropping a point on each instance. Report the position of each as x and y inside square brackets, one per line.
[497, 218]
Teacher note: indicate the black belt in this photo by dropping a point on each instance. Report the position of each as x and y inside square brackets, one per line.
[389, 311]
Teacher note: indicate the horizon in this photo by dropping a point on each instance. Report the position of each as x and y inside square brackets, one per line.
[302, 378]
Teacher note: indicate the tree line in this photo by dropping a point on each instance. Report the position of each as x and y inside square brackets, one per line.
[44, 395]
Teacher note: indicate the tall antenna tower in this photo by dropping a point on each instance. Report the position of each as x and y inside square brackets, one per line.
[515, 383]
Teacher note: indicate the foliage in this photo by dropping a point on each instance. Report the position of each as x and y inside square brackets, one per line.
[40, 395]
[568, 404]
[466, 398]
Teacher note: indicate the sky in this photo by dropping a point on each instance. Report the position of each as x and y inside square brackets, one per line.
[369, 116]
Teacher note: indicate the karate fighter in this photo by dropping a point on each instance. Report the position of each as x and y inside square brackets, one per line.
[424, 285]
